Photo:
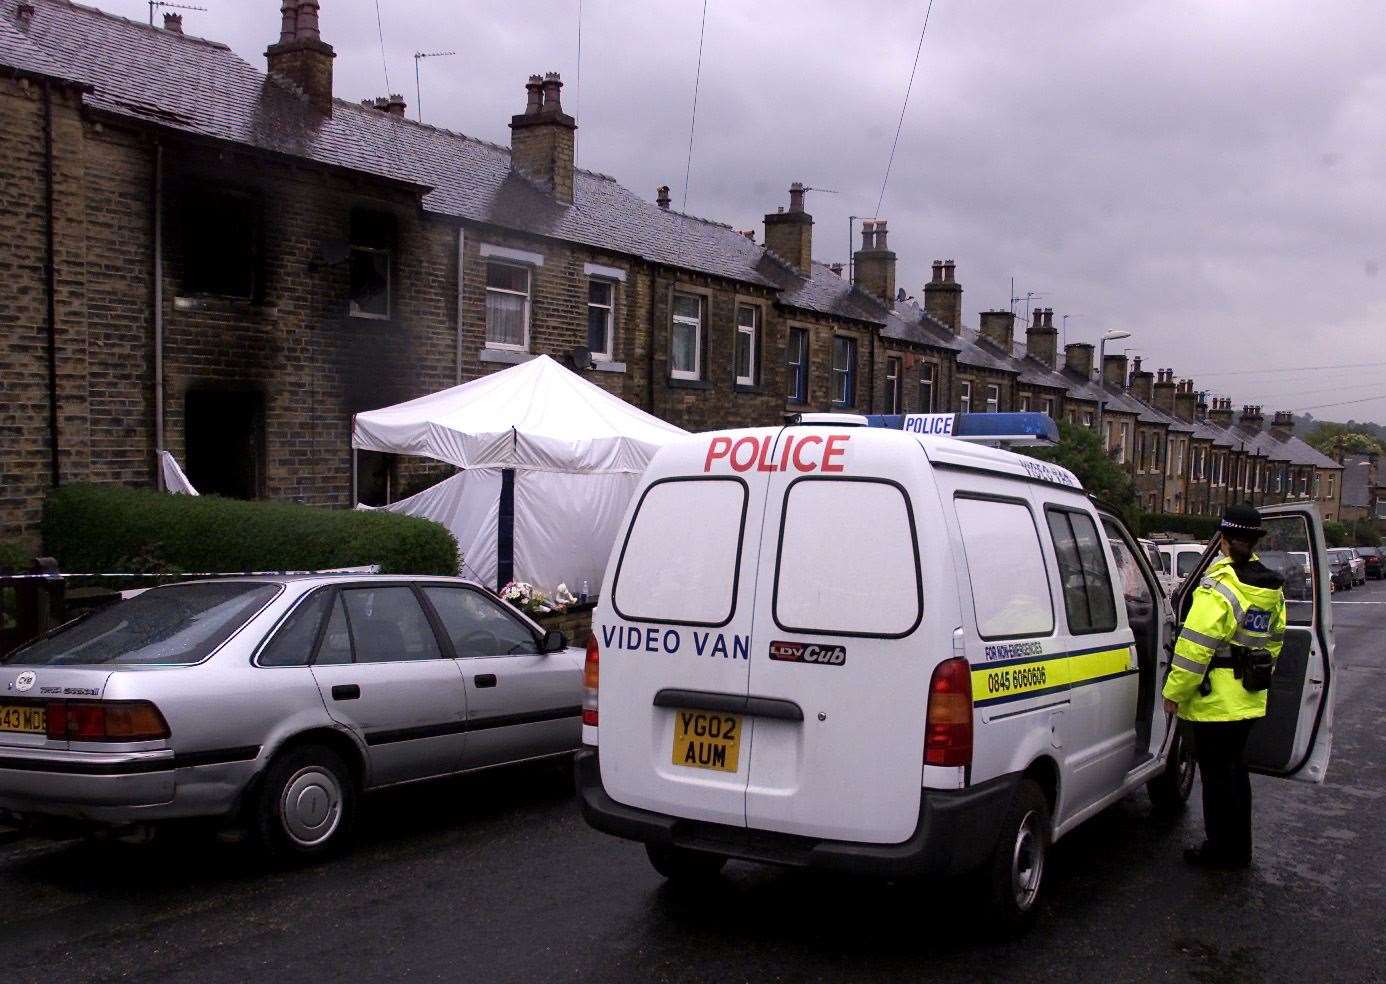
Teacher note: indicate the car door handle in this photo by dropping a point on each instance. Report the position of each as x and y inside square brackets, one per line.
[346, 691]
[484, 679]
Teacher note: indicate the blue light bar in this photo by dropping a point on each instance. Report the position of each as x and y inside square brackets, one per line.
[990, 428]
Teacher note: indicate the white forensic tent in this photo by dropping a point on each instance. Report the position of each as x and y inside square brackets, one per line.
[549, 462]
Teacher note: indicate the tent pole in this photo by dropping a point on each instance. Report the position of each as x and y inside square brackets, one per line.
[505, 530]
[355, 474]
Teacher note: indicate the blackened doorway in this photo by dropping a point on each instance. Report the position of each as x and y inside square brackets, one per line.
[225, 442]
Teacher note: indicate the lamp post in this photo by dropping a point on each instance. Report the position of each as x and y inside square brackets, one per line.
[1111, 336]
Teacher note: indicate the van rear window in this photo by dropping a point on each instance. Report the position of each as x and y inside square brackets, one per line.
[682, 556]
[848, 561]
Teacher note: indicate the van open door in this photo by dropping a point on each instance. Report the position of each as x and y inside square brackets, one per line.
[1295, 739]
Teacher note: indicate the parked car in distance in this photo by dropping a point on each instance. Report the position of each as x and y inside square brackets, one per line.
[275, 702]
[1359, 566]
[1294, 567]
[1152, 554]
[1371, 558]
[1340, 563]
[1176, 561]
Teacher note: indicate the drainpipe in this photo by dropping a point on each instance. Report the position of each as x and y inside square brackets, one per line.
[51, 278]
[158, 310]
[650, 349]
[461, 252]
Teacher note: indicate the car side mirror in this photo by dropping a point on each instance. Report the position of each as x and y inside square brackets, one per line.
[554, 641]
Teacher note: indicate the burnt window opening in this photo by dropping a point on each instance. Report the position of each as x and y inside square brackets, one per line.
[372, 253]
[222, 237]
[224, 436]
[377, 481]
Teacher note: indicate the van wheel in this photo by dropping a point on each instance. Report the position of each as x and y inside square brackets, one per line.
[306, 803]
[1016, 873]
[682, 866]
[1169, 791]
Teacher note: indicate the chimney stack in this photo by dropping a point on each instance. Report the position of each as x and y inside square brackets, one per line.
[542, 138]
[662, 197]
[998, 327]
[943, 296]
[836, 268]
[1114, 371]
[300, 57]
[873, 266]
[1042, 339]
[173, 22]
[1283, 425]
[1251, 418]
[1186, 401]
[24, 13]
[1221, 412]
[1142, 381]
[1078, 359]
[790, 234]
[1165, 391]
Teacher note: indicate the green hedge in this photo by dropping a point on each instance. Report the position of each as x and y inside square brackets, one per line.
[1198, 527]
[105, 528]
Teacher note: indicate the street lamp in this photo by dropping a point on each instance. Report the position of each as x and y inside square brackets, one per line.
[1111, 336]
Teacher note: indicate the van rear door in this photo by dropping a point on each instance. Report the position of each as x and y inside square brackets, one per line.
[675, 633]
[839, 605]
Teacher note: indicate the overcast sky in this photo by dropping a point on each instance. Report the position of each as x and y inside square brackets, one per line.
[1208, 176]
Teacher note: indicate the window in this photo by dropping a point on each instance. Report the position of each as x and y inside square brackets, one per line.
[1317, 484]
[388, 626]
[372, 241]
[335, 647]
[222, 234]
[892, 385]
[1125, 445]
[747, 343]
[701, 588]
[686, 341]
[507, 305]
[1047, 405]
[1087, 419]
[477, 626]
[1135, 589]
[993, 398]
[821, 588]
[601, 308]
[1140, 451]
[796, 361]
[1087, 583]
[1010, 585]
[964, 397]
[844, 371]
[293, 644]
[1332, 483]
[926, 387]
[1025, 403]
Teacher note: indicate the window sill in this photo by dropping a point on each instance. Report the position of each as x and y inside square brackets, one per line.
[506, 357]
[219, 302]
[748, 388]
[692, 384]
[609, 367]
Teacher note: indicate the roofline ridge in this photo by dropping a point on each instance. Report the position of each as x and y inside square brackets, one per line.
[193, 38]
[695, 218]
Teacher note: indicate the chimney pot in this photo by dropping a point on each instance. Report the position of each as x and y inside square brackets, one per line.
[1039, 318]
[749, 234]
[796, 197]
[948, 271]
[1049, 317]
[395, 104]
[288, 26]
[553, 85]
[938, 272]
[173, 22]
[662, 196]
[534, 95]
[836, 268]
[308, 29]
[873, 268]
[789, 234]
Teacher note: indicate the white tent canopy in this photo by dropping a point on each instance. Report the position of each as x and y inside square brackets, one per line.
[549, 463]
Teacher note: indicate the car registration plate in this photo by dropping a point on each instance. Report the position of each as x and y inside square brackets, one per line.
[23, 718]
[707, 740]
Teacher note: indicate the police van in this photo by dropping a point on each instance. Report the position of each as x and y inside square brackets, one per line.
[896, 650]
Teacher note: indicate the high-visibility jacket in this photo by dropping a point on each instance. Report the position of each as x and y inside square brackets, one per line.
[1243, 606]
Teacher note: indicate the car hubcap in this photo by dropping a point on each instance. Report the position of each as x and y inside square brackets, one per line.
[311, 807]
[1027, 861]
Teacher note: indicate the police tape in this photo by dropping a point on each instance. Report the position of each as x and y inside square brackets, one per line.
[1018, 679]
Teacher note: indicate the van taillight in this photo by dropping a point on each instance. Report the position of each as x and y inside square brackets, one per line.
[590, 675]
[76, 720]
[948, 727]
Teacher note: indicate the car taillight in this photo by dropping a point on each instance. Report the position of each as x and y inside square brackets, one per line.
[948, 727]
[135, 720]
[590, 676]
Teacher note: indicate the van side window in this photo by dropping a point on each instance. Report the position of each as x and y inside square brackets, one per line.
[848, 560]
[1088, 598]
[1010, 585]
[682, 557]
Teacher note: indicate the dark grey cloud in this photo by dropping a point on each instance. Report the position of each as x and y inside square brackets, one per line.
[1206, 175]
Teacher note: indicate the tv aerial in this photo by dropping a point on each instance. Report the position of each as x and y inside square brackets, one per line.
[169, 6]
[418, 87]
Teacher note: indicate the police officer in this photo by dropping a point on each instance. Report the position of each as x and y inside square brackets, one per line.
[1218, 679]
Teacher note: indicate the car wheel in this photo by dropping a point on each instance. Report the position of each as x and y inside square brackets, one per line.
[1169, 791]
[306, 803]
[682, 866]
[1015, 874]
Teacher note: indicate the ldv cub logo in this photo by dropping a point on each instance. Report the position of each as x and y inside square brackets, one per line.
[808, 652]
[25, 681]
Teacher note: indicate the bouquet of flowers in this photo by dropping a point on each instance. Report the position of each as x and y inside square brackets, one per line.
[532, 601]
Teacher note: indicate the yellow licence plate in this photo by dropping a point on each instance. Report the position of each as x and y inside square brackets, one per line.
[22, 718]
[707, 740]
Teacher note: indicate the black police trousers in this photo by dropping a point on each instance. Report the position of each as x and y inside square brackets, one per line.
[1220, 747]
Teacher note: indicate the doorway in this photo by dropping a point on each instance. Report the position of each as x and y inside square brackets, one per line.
[224, 437]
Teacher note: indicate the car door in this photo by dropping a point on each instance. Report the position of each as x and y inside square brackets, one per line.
[1295, 738]
[521, 702]
[383, 674]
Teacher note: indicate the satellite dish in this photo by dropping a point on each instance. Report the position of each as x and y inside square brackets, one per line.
[580, 358]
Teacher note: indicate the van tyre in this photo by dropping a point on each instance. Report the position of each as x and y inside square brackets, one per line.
[1015, 875]
[682, 866]
[306, 804]
[1169, 791]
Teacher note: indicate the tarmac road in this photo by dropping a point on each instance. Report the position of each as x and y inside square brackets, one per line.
[496, 878]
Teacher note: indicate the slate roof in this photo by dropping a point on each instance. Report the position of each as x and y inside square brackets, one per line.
[909, 322]
[1168, 419]
[23, 57]
[1205, 431]
[204, 89]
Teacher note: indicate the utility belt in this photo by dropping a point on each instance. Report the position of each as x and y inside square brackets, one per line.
[1253, 667]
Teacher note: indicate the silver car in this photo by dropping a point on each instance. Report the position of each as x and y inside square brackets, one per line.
[278, 701]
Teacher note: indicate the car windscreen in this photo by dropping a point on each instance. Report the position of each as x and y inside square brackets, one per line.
[175, 625]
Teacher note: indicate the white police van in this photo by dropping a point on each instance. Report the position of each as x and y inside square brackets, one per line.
[873, 649]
